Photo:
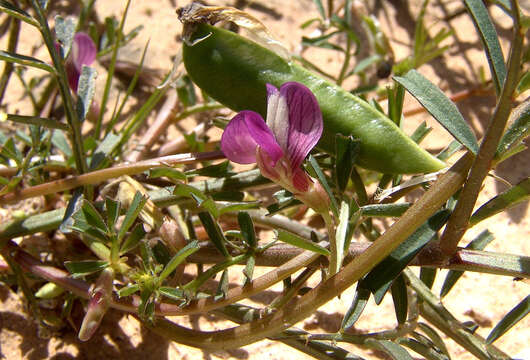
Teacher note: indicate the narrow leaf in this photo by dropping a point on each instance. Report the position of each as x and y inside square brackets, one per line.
[479, 243]
[65, 31]
[238, 206]
[356, 308]
[420, 133]
[490, 40]
[60, 141]
[18, 13]
[440, 107]
[518, 129]
[214, 232]
[179, 257]
[422, 348]
[172, 174]
[134, 209]
[511, 197]
[26, 61]
[449, 150]
[93, 217]
[134, 238]
[399, 296]
[74, 204]
[346, 151]
[222, 288]
[385, 210]
[85, 91]
[524, 83]
[380, 278]
[395, 351]
[434, 336]
[322, 178]
[249, 269]
[340, 236]
[128, 290]
[35, 120]
[509, 320]
[112, 211]
[247, 228]
[293, 239]
[172, 293]
[82, 268]
[427, 276]
[104, 150]
[220, 170]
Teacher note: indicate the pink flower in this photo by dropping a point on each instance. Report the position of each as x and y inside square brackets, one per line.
[280, 145]
[83, 53]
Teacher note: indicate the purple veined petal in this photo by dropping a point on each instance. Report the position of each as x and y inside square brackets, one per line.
[83, 51]
[277, 115]
[305, 121]
[243, 134]
[263, 136]
[236, 143]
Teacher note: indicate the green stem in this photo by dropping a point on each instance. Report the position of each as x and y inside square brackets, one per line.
[98, 176]
[299, 309]
[11, 47]
[346, 63]
[434, 312]
[458, 222]
[110, 74]
[35, 120]
[71, 114]
[195, 284]
[334, 261]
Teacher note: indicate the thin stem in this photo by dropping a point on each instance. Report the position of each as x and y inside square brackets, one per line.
[110, 73]
[99, 176]
[334, 261]
[346, 63]
[39, 121]
[196, 283]
[299, 309]
[434, 312]
[11, 47]
[458, 222]
[71, 114]
[159, 126]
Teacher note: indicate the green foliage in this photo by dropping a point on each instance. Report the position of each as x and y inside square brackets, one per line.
[217, 216]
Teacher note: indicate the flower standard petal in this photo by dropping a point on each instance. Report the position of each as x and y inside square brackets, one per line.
[83, 53]
[305, 121]
[83, 50]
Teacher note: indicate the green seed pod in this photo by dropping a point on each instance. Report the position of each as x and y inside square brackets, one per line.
[234, 71]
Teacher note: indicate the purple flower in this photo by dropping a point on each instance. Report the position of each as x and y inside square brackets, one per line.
[280, 145]
[83, 53]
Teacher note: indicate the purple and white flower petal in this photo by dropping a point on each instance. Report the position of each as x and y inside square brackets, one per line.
[305, 121]
[243, 134]
[83, 53]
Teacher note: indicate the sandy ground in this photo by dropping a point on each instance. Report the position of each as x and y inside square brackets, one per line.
[483, 298]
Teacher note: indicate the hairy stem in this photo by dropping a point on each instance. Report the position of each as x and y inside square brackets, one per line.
[99, 176]
[458, 222]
